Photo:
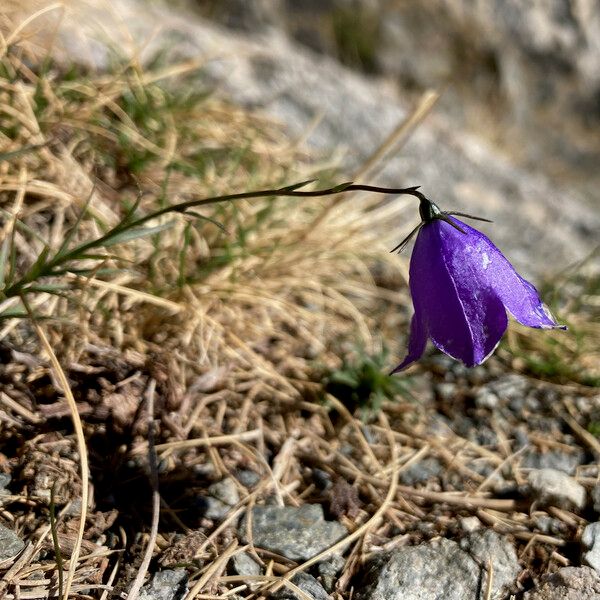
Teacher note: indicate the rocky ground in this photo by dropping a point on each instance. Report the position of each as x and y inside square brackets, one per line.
[283, 464]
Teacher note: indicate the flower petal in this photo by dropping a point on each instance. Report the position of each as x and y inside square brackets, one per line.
[416, 343]
[464, 318]
[519, 296]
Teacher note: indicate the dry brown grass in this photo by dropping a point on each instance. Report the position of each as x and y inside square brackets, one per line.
[194, 306]
[229, 333]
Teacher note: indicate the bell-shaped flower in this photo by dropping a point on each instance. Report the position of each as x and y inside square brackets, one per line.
[462, 287]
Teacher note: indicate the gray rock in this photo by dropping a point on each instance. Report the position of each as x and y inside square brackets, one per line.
[521, 436]
[550, 525]
[166, 585]
[469, 524]
[73, 509]
[5, 480]
[527, 53]
[10, 543]
[248, 478]
[506, 388]
[308, 584]
[222, 496]
[485, 398]
[550, 487]
[446, 390]
[296, 533]
[421, 471]
[485, 546]
[553, 459]
[226, 491]
[596, 498]
[244, 564]
[568, 583]
[442, 570]
[329, 569]
[591, 540]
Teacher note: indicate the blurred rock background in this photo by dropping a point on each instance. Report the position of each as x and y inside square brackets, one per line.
[525, 75]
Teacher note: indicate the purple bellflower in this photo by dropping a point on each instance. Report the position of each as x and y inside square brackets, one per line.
[462, 287]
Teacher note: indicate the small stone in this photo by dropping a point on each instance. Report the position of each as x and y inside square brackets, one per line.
[469, 524]
[521, 437]
[568, 583]
[591, 539]
[308, 584]
[442, 568]
[222, 496]
[10, 543]
[298, 533]
[5, 479]
[485, 546]
[550, 487]
[477, 375]
[73, 509]
[553, 459]
[596, 498]
[204, 470]
[486, 399]
[211, 381]
[248, 478]
[549, 525]
[421, 471]
[211, 508]
[226, 491]
[166, 585]
[509, 387]
[244, 564]
[446, 391]
[329, 569]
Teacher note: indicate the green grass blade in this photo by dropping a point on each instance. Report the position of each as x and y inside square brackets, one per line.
[16, 153]
[205, 218]
[64, 247]
[295, 186]
[132, 234]
[4, 253]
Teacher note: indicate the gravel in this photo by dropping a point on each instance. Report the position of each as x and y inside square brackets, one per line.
[5, 479]
[550, 487]
[442, 570]
[421, 472]
[222, 496]
[248, 478]
[596, 498]
[329, 569]
[166, 585]
[298, 533]
[568, 583]
[591, 540]
[10, 543]
[566, 462]
[308, 584]
[244, 564]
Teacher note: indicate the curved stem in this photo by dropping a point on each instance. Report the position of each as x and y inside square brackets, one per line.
[62, 257]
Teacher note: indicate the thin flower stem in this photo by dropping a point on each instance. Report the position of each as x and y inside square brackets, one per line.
[62, 257]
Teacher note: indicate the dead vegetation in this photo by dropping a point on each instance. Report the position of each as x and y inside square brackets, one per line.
[217, 344]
